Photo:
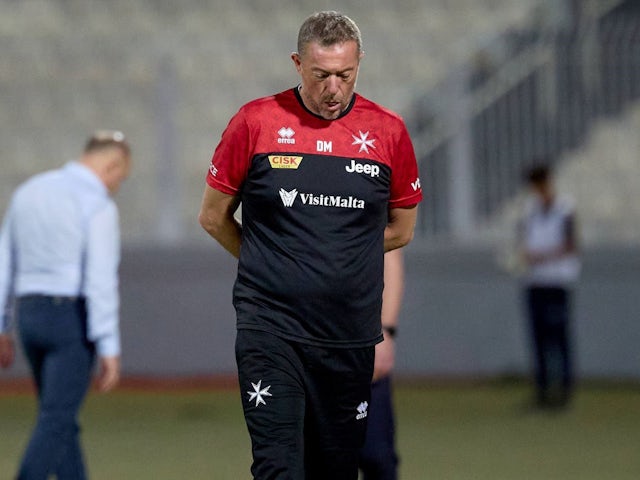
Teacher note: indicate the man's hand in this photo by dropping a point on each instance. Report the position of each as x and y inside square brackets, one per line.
[109, 374]
[391, 303]
[7, 351]
[385, 358]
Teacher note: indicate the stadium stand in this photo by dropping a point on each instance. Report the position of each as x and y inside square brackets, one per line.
[171, 73]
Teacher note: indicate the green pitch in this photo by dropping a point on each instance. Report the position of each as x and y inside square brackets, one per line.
[448, 433]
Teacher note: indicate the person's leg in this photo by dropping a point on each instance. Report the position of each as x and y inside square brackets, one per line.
[338, 383]
[58, 330]
[273, 400]
[568, 376]
[72, 465]
[537, 324]
[560, 352]
[378, 457]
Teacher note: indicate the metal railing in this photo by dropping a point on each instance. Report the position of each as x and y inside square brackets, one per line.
[477, 131]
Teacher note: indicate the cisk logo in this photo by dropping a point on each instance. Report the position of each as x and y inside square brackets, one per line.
[286, 136]
[285, 161]
[415, 185]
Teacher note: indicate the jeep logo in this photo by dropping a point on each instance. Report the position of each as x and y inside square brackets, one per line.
[366, 168]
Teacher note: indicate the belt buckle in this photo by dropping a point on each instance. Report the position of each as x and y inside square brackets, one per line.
[59, 300]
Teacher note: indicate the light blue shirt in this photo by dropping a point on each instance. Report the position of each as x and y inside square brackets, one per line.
[61, 237]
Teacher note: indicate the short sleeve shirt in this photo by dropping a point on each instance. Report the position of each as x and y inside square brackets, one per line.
[315, 198]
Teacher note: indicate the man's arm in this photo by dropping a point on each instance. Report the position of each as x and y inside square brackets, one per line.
[102, 259]
[216, 217]
[109, 373]
[391, 304]
[7, 350]
[568, 247]
[399, 230]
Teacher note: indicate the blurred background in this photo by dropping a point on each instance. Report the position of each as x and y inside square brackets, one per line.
[484, 86]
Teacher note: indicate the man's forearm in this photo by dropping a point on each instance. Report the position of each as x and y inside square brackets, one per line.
[400, 225]
[216, 217]
[228, 235]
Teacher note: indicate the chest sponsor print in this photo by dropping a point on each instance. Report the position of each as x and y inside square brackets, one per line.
[289, 197]
[285, 161]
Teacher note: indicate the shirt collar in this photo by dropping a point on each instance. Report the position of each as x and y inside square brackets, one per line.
[296, 91]
[86, 175]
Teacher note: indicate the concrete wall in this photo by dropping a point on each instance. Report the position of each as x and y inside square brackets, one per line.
[461, 318]
[464, 317]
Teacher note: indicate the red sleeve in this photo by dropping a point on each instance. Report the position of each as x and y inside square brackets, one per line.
[405, 181]
[232, 157]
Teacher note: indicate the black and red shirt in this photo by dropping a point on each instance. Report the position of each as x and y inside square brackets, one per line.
[315, 198]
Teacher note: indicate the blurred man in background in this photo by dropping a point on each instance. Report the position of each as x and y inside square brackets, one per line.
[548, 244]
[378, 456]
[59, 257]
[328, 182]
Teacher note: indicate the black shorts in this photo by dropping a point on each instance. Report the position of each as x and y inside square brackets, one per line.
[305, 406]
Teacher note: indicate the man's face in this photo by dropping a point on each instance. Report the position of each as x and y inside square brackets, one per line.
[543, 190]
[328, 77]
[119, 170]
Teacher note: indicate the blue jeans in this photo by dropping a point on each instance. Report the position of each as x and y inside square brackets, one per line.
[53, 334]
[550, 317]
[378, 457]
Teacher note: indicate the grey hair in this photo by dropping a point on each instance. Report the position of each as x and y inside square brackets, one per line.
[101, 139]
[328, 28]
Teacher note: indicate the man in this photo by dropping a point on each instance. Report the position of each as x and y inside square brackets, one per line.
[378, 456]
[547, 235]
[59, 256]
[328, 182]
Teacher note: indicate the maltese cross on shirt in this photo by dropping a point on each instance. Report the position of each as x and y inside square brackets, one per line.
[364, 141]
[259, 393]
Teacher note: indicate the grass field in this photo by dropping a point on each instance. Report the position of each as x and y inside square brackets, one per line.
[444, 433]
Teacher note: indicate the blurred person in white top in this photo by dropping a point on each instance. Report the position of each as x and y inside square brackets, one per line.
[548, 245]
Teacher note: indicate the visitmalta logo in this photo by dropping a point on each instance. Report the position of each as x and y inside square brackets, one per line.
[284, 161]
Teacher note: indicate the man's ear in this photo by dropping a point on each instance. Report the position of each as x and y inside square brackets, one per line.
[295, 56]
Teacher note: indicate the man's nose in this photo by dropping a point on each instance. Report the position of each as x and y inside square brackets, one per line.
[333, 83]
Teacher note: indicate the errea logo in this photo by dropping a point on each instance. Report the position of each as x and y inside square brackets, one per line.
[286, 136]
[362, 410]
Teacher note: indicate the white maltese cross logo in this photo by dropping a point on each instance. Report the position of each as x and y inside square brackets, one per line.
[259, 393]
[363, 141]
